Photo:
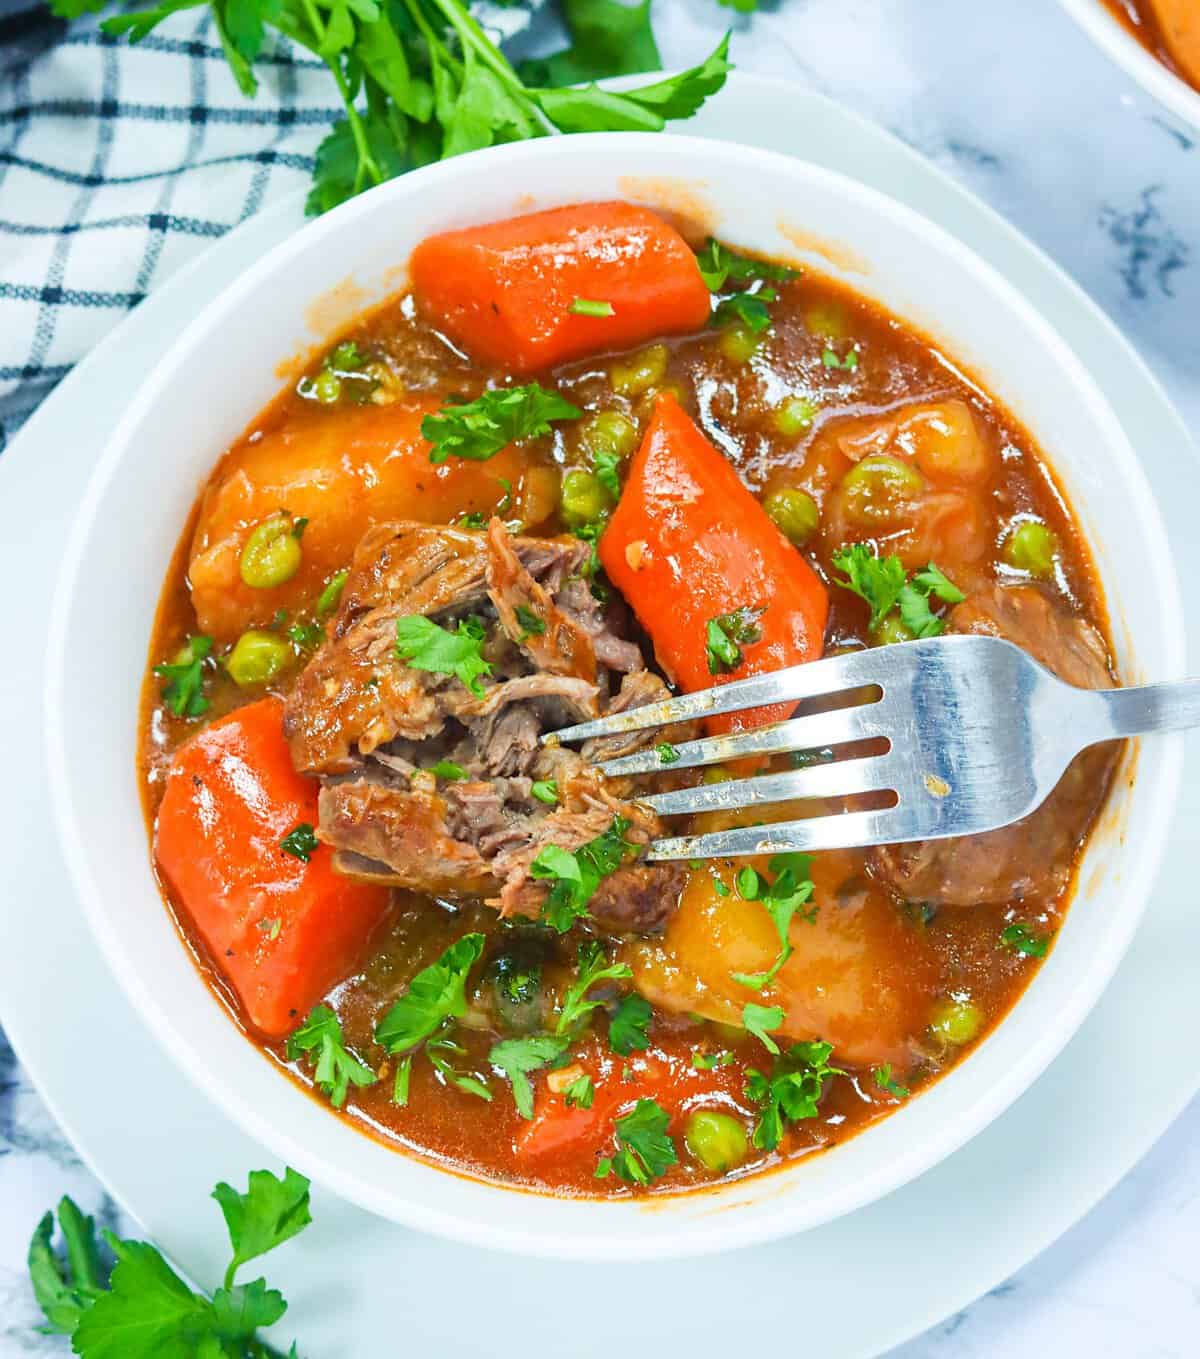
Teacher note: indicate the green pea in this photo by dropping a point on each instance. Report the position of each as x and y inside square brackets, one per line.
[608, 432]
[639, 372]
[717, 774]
[794, 513]
[794, 416]
[1032, 547]
[738, 343]
[272, 553]
[718, 1141]
[890, 629]
[584, 499]
[327, 387]
[956, 1021]
[257, 658]
[877, 488]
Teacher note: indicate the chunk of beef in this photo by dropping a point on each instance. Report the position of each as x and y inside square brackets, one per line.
[354, 695]
[1034, 857]
[374, 728]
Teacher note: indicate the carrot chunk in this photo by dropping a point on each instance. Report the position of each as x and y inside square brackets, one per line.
[280, 930]
[535, 291]
[688, 544]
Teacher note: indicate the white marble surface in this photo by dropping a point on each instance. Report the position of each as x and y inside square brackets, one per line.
[1010, 99]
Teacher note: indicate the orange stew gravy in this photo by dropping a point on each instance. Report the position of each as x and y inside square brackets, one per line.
[903, 990]
[1168, 29]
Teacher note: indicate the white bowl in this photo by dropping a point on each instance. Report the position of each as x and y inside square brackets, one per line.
[1112, 37]
[222, 370]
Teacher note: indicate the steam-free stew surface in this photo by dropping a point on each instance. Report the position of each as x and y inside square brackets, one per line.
[901, 988]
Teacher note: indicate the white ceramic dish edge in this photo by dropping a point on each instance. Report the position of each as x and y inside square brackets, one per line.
[1107, 32]
[639, 1236]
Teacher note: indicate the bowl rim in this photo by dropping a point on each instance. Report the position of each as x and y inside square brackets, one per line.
[643, 1237]
[1110, 35]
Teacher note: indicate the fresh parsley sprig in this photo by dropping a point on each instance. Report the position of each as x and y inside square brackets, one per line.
[517, 1057]
[725, 636]
[337, 1068]
[479, 429]
[137, 1307]
[781, 899]
[792, 1092]
[592, 968]
[576, 875]
[420, 80]
[184, 691]
[644, 1148]
[435, 994]
[884, 584]
[424, 645]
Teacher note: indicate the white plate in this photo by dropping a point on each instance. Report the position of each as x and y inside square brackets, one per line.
[353, 1279]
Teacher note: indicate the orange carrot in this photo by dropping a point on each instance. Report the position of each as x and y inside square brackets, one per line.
[511, 293]
[688, 544]
[280, 930]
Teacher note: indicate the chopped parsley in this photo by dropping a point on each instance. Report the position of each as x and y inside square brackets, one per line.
[576, 876]
[479, 429]
[1021, 939]
[140, 1307]
[849, 364]
[592, 967]
[666, 752]
[517, 1057]
[403, 1077]
[580, 1093]
[533, 625]
[792, 1092]
[298, 527]
[437, 1048]
[425, 646]
[725, 636]
[719, 265]
[545, 790]
[760, 1020]
[585, 306]
[337, 1068]
[307, 636]
[628, 1028]
[448, 770]
[184, 691]
[884, 1080]
[883, 583]
[644, 1149]
[706, 1061]
[607, 466]
[746, 309]
[301, 842]
[435, 994]
[781, 899]
[474, 520]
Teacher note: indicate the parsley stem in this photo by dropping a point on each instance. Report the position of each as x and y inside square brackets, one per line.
[471, 35]
[366, 161]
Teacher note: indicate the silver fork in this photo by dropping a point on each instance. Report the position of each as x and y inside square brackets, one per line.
[978, 733]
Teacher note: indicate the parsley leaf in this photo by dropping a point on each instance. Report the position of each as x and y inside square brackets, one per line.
[884, 1080]
[301, 842]
[792, 1092]
[876, 579]
[184, 691]
[1021, 939]
[143, 1309]
[436, 1048]
[517, 1057]
[627, 1030]
[337, 1067]
[425, 646]
[607, 465]
[719, 265]
[915, 612]
[829, 358]
[726, 635]
[608, 38]
[706, 1061]
[790, 890]
[586, 306]
[576, 876]
[592, 968]
[533, 625]
[545, 790]
[580, 1093]
[270, 1212]
[746, 309]
[480, 429]
[759, 1020]
[331, 596]
[435, 994]
[645, 1151]
[448, 770]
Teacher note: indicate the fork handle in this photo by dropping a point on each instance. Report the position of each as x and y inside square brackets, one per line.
[1148, 708]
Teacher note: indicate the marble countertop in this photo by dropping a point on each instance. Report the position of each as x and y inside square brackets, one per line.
[1011, 100]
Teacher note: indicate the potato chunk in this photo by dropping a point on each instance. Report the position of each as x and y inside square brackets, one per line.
[342, 469]
[861, 977]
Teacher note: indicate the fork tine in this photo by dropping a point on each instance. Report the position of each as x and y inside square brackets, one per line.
[799, 733]
[867, 775]
[853, 670]
[850, 830]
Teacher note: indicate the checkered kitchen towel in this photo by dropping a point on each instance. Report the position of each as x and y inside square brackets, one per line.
[119, 163]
